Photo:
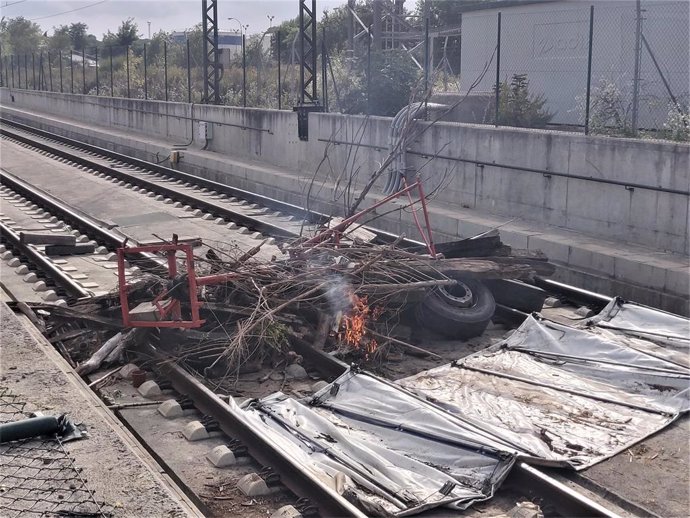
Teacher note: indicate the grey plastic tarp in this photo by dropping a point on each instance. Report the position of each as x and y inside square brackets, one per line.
[574, 395]
[386, 450]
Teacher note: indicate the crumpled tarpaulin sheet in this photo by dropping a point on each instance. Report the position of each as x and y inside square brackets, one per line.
[387, 451]
[572, 395]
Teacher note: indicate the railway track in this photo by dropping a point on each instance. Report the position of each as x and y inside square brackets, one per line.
[271, 219]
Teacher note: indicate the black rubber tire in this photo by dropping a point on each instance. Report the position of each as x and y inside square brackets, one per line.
[517, 295]
[435, 314]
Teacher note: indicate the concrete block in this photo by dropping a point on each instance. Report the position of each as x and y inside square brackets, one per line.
[78, 249]
[101, 250]
[584, 312]
[31, 238]
[127, 370]
[244, 230]
[253, 485]
[5, 256]
[50, 296]
[14, 262]
[30, 277]
[287, 511]
[198, 213]
[231, 225]
[149, 389]
[221, 456]
[39, 286]
[22, 270]
[170, 409]
[257, 235]
[168, 201]
[195, 431]
[84, 239]
[219, 221]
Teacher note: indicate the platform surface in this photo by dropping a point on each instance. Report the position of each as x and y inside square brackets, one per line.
[107, 472]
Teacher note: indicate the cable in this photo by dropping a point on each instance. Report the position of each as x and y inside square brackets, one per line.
[7, 4]
[70, 11]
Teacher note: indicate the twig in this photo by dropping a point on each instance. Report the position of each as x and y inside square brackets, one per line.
[405, 344]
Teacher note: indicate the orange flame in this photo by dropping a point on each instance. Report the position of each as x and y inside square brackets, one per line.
[354, 325]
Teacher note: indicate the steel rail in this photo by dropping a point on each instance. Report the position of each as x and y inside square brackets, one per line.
[288, 208]
[216, 209]
[43, 263]
[83, 222]
[264, 201]
[292, 474]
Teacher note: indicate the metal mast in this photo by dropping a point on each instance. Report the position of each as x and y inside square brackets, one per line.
[211, 61]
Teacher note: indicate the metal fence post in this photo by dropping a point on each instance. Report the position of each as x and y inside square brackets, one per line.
[98, 86]
[50, 72]
[189, 75]
[498, 69]
[279, 85]
[324, 70]
[368, 72]
[244, 72]
[128, 86]
[12, 68]
[426, 54]
[71, 72]
[60, 58]
[33, 71]
[112, 88]
[83, 70]
[146, 84]
[165, 68]
[589, 68]
[636, 77]
[41, 78]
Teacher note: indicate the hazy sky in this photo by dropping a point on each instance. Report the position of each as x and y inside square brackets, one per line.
[163, 15]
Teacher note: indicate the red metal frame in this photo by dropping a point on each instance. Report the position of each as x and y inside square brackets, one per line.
[339, 229]
[169, 309]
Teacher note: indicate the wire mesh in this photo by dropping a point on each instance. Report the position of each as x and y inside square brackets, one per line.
[37, 476]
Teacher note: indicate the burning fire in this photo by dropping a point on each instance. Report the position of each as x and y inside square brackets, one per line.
[354, 325]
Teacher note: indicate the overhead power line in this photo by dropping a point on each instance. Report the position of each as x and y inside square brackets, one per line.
[70, 11]
[7, 4]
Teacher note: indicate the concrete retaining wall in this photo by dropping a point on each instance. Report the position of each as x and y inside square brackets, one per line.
[635, 215]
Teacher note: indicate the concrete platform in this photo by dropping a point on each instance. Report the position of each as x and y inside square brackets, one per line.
[115, 470]
[613, 267]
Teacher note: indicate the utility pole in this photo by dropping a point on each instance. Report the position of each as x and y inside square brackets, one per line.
[636, 78]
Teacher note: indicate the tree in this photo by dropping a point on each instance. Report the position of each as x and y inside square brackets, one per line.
[60, 40]
[126, 34]
[20, 36]
[77, 34]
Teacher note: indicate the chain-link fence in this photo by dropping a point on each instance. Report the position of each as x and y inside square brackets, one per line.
[37, 476]
[615, 67]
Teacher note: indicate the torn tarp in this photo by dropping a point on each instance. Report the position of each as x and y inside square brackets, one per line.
[566, 394]
[386, 450]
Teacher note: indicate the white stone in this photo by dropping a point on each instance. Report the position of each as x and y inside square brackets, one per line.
[287, 511]
[195, 431]
[253, 485]
[149, 389]
[50, 296]
[170, 409]
[221, 456]
[40, 286]
[127, 370]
